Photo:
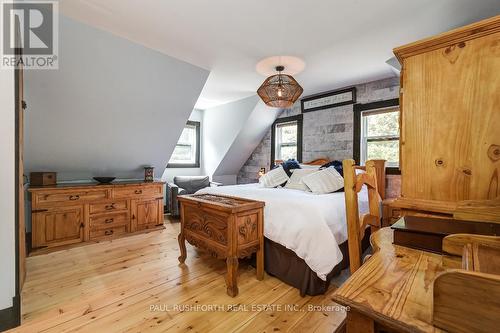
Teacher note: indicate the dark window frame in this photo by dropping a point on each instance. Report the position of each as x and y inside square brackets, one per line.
[358, 109]
[299, 120]
[196, 164]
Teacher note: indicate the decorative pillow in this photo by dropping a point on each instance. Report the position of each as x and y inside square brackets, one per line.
[295, 182]
[309, 166]
[290, 165]
[274, 178]
[336, 164]
[324, 181]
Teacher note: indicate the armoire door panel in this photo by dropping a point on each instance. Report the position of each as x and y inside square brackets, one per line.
[450, 119]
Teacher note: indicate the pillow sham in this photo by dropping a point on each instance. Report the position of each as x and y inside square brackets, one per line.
[295, 182]
[309, 167]
[273, 178]
[336, 164]
[324, 181]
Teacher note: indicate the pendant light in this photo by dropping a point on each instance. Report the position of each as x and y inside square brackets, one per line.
[280, 90]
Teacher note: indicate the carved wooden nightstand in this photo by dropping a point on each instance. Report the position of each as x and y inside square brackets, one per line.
[227, 227]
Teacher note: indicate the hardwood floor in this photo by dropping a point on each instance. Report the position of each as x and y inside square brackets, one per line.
[136, 284]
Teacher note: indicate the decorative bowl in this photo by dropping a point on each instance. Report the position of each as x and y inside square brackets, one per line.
[104, 180]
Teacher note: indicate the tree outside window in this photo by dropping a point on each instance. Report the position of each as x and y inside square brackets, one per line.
[380, 136]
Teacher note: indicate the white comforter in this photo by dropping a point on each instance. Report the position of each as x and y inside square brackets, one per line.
[309, 224]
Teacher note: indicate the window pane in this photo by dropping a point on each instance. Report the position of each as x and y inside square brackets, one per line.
[382, 124]
[188, 135]
[185, 150]
[386, 150]
[286, 153]
[183, 154]
[288, 133]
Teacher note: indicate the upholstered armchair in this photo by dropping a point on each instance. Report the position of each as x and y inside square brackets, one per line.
[185, 185]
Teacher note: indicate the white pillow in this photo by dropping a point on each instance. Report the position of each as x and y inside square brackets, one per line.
[324, 181]
[309, 167]
[274, 178]
[295, 182]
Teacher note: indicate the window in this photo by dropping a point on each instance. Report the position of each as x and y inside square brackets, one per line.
[380, 136]
[187, 150]
[376, 133]
[286, 141]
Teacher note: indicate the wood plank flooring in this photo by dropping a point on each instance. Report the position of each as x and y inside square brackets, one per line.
[136, 284]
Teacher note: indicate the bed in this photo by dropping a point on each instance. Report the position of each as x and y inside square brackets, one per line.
[305, 233]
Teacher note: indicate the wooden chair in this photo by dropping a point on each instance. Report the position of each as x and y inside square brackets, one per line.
[374, 179]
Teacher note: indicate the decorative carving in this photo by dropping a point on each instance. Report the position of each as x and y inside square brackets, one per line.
[247, 251]
[248, 230]
[213, 251]
[209, 225]
[219, 199]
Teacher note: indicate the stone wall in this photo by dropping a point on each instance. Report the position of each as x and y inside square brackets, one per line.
[326, 133]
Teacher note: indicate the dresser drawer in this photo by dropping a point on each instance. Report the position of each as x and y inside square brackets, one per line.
[108, 207]
[70, 196]
[109, 232]
[109, 220]
[138, 192]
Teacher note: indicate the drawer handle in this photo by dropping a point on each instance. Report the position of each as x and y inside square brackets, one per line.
[109, 220]
[138, 191]
[110, 207]
[74, 197]
[108, 232]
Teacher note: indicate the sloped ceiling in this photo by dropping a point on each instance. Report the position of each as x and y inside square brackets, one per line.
[249, 137]
[342, 42]
[111, 108]
[231, 132]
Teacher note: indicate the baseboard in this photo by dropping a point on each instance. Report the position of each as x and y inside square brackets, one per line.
[11, 317]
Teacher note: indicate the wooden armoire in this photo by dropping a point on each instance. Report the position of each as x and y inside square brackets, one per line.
[450, 124]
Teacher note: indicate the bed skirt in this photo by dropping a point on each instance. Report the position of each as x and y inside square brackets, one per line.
[285, 265]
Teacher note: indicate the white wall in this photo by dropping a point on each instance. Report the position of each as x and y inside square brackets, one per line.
[251, 134]
[170, 173]
[112, 107]
[222, 124]
[232, 131]
[7, 189]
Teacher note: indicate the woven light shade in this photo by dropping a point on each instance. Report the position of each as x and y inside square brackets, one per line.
[280, 90]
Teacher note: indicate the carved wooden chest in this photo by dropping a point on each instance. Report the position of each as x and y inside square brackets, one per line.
[227, 227]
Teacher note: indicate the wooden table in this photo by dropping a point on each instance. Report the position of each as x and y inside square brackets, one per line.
[227, 227]
[392, 289]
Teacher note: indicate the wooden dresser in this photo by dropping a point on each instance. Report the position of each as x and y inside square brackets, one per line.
[450, 120]
[75, 213]
[227, 227]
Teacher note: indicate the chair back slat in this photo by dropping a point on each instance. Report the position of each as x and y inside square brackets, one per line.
[353, 183]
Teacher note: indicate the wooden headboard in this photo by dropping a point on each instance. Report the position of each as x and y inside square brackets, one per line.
[318, 161]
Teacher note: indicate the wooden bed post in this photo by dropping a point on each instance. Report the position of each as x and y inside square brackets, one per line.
[375, 173]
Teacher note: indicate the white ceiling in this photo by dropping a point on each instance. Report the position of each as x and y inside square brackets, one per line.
[342, 42]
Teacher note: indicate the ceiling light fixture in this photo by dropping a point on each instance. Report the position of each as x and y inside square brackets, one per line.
[280, 90]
